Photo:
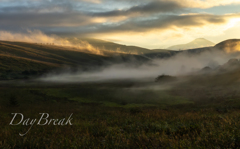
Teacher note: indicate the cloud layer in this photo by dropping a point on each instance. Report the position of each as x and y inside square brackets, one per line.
[108, 18]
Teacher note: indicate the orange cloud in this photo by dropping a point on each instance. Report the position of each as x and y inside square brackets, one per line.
[206, 3]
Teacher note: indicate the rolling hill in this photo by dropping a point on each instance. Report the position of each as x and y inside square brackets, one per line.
[231, 45]
[123, 49]
[114, 47]
[20, 60]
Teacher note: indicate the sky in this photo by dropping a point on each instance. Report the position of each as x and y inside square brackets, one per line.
[151, 24]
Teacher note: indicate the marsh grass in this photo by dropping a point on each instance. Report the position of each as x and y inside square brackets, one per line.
[102, 119]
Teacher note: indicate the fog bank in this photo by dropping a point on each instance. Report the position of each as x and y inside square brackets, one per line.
[178, 65]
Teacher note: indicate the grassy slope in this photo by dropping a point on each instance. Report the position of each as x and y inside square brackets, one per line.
[229, 45]
[111, 46]
[17, 57]
[101, 44]
[47, 53]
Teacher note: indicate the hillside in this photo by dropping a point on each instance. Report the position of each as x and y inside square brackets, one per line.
[125, 50]
[197, 43]
[19, 60]
[231, 45]
[114, 47]
[110, 46]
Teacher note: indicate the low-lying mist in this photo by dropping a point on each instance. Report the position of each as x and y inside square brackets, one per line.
[38, 37]
[179, 65]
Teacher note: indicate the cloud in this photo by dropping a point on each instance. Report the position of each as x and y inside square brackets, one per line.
[35, 36]
[149, 8]
[82, 25]
[131, 3]
[100, 18]
[50, 14]
[44, 19]
[207, 3]
[174, 32]
[93, 1]
[160, 23]
[43, 8]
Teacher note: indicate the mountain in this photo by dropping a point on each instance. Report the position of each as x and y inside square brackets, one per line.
[231, 45]
[197, 43]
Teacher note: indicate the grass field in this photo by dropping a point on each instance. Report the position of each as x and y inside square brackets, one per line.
[118, 115]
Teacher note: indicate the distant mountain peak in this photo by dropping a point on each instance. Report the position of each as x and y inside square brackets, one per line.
[201, 39]
[197, 43]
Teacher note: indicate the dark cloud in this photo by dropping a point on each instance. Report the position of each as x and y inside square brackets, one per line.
[161, 23]
[74, 23]
[43, 19]
[73, 17]
[152, 7]
[37, 9]
[62, 13]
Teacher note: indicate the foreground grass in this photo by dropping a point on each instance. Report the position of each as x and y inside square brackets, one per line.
[106, 122]
[101, 127]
